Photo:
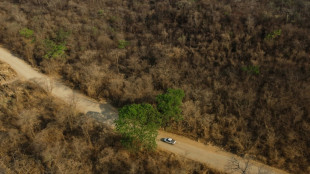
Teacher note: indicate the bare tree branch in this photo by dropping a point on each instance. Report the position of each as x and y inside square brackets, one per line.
[241, 166]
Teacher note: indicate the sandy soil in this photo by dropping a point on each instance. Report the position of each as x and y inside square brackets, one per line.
[104, 112]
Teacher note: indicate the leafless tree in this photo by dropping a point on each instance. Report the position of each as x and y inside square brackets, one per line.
[27, 120]
[238, 166]
[71, 111]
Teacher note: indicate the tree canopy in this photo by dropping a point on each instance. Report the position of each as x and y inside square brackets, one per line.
[168, 105]
[138, 124]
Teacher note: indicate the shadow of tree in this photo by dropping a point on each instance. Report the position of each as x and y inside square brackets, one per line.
[107, 115]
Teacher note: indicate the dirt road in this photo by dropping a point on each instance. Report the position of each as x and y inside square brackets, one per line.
[105, 113]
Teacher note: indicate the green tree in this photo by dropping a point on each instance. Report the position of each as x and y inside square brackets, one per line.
[138, 125]
[53, 49]
[169, 105]
[56, 47]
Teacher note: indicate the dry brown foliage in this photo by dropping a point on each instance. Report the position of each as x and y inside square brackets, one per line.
[200, 46]
[7, 74]
[39, 135]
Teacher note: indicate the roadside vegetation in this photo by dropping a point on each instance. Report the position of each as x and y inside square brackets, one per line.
[139, 123]
[244, 65]
[6, 73]
[40, 134]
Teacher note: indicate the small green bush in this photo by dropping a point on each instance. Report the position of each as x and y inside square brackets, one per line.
[54, 50]
[251, 69]
[56, 47]
[100, 12]
[26, 32]
[123, 44]
[273, 34]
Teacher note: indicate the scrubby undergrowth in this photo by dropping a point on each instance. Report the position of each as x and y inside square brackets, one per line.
[39, 134]
[6, 73]
[244, 65]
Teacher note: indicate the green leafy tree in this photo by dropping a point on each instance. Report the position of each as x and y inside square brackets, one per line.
[169, 105]
[54, 50]
[138, 125]
[56, 47]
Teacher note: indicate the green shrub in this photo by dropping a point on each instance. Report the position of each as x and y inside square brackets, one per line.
[273, 34]
[56, 47]
[251, 69]
[54, 50]
[100, 12]
[123, 44]
[26, 32]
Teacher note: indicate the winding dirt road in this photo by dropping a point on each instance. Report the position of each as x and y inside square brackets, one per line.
[104, 112]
